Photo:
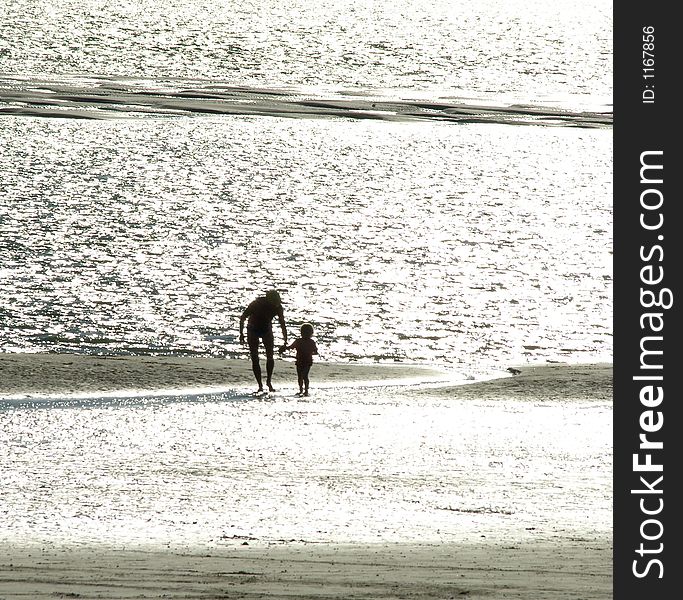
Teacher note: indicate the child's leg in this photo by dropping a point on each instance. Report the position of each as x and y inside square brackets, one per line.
[304, 376]
[300, 377]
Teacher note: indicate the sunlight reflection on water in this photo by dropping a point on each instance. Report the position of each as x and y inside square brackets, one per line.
[476, 244]
[484, 47]
[352, 464]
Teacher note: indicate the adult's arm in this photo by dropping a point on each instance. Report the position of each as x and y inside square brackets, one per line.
[284, 347]
[243, 318]
[283, 327]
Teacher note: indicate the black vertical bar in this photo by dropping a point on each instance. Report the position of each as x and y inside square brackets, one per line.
[647, 266]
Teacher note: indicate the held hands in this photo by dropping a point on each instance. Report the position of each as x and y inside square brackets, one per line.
[282, 349]
[241, 338]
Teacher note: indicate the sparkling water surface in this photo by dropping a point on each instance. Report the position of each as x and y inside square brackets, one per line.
[352, 464]
[477, 244]
[485, 48]
[470, 246]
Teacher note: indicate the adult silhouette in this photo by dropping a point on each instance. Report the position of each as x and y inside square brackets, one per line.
[259, 318]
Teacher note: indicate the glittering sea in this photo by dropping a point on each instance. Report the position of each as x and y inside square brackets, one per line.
[424, 182]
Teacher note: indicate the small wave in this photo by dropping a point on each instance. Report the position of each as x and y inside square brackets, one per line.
[110, 98]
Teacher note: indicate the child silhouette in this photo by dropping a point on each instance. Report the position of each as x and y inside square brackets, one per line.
[305, 347]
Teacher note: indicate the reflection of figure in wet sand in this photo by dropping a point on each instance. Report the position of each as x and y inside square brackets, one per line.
[259, 327]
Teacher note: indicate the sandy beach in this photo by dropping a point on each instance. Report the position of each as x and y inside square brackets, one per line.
[111, 99]
[395, 175]
[539, 382]
[533, 571]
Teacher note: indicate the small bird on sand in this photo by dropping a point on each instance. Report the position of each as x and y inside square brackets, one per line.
[514, 371]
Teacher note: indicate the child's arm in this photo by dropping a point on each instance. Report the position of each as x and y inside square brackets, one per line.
[284, 347]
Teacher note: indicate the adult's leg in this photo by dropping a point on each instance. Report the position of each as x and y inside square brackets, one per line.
[253, 341]
[269, 344]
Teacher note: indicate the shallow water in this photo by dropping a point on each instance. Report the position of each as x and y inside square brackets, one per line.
[495, 48]
[473, 244]
[352, 464]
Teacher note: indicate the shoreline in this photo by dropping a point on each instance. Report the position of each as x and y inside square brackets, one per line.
[49, 374]
[534, 570]
[533, 564]
[550, 382]
[38, 375]
[112, 98]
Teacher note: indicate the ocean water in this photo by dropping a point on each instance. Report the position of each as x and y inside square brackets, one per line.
[489, 48]
[148, 228]
[442, 197]
[411, 242]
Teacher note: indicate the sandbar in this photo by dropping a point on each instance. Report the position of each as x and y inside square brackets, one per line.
[40, 374]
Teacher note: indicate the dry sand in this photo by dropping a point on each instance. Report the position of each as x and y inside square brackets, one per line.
[555, 568]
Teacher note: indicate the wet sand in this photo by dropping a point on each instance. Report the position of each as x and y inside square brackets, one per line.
[30, 375]
[553, 567]
[533, 571]
[539, 383]
[109, 98]
[35, 375]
